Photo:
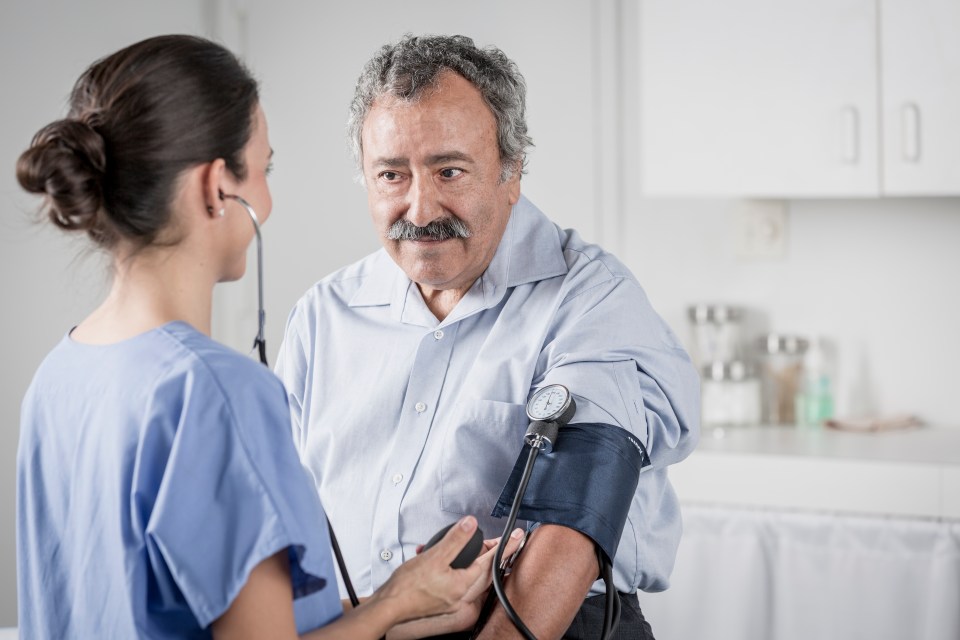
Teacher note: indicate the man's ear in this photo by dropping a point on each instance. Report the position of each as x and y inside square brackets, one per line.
[213, 186]
[513, 183]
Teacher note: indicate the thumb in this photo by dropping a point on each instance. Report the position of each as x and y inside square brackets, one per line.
[454, 540]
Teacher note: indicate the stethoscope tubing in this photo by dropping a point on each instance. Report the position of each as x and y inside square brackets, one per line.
[260, 344]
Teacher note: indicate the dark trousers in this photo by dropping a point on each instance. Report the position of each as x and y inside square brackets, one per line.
[588, 623]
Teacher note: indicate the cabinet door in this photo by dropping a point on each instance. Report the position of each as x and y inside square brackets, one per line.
[758, 98]
[920, 61]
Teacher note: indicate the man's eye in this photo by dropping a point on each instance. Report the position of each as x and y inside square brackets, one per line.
[269, 169]
[450, 173]
[389, 176]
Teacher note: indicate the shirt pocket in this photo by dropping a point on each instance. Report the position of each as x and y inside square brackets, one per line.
[480, 448]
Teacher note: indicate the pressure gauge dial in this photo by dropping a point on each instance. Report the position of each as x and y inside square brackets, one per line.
[552, 403]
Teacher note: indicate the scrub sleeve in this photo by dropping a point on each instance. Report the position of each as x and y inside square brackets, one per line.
[231, 493]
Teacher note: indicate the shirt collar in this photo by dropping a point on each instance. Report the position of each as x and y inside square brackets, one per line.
[529, 251]
[513, 264]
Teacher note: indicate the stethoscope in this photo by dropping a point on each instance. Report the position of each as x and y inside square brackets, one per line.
[549, 409]
[260, 345]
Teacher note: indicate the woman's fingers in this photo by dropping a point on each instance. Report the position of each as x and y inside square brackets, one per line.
[455, 539]
[516, 538]
[485, 561]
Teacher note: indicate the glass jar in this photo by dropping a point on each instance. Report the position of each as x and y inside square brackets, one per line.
[781, 362]
[730, 394]
[716, 333]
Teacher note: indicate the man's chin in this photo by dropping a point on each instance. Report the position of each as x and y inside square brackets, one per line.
[430, 276]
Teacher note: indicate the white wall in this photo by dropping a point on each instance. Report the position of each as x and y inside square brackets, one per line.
[48, 284]
[879, 278]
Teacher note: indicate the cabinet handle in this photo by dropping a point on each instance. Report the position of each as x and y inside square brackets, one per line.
[910, 132]
[851, 135]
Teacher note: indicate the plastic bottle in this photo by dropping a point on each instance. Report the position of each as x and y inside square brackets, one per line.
[814, 400]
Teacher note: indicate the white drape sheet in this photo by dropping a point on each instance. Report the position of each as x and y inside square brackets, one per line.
[751, 574]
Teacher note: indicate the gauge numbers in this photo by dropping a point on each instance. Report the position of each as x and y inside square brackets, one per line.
[548, 403]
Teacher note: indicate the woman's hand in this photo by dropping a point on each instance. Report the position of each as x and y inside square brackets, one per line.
[465, 612]
[424, 586]
[427, 585]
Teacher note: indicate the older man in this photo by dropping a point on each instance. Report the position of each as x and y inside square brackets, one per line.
[408, 371]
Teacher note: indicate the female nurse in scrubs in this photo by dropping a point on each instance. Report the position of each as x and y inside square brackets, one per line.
[159, 494]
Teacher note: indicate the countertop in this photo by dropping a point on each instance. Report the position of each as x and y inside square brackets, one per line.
[911, 472]
[921, 444]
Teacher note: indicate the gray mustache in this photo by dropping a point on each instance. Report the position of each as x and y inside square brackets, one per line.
[443, 229]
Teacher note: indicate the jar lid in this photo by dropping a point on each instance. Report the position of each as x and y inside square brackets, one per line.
[732, 370]
[716, 313]
[775, 343]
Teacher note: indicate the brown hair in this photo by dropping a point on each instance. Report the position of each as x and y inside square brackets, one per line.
[138, 118]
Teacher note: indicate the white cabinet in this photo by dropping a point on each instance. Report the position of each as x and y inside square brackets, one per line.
[757, 574]
[783, 99]
[920, 62]
[779, 522]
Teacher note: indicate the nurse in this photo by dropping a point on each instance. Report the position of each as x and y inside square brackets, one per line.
[158, 492]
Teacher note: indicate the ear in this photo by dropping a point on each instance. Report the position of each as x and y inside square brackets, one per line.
[513, 184]
[214, 186]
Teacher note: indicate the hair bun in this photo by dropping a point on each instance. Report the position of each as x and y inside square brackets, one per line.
[67, 161]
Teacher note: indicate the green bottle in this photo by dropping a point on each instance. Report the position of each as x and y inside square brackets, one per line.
[814, 399]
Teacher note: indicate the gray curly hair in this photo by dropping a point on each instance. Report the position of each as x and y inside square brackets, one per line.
[414, 63]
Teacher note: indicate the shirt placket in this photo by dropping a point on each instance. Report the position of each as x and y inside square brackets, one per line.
[416, 417]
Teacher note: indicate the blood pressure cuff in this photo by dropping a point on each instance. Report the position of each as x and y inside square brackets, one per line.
[586, 483]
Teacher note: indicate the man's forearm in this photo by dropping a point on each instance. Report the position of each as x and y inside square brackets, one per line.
[548, 584]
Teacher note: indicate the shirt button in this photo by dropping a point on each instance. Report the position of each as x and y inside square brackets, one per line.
[420, 407]
[397, 478]
[438, 334]
[386, 554]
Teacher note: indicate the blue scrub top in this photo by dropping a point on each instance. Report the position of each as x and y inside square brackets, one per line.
[152, 476]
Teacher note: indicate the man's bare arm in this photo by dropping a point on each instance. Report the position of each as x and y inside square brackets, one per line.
[548, 584]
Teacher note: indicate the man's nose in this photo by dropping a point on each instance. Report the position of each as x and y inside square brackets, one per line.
[423, 202]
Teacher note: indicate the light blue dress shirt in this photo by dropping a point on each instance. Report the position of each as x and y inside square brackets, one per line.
[152, 476]
[407, 423]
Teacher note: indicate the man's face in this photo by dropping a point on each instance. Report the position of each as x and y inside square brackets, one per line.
[434, 160]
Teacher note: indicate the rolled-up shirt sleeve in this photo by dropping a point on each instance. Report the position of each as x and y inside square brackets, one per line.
[625, 367]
